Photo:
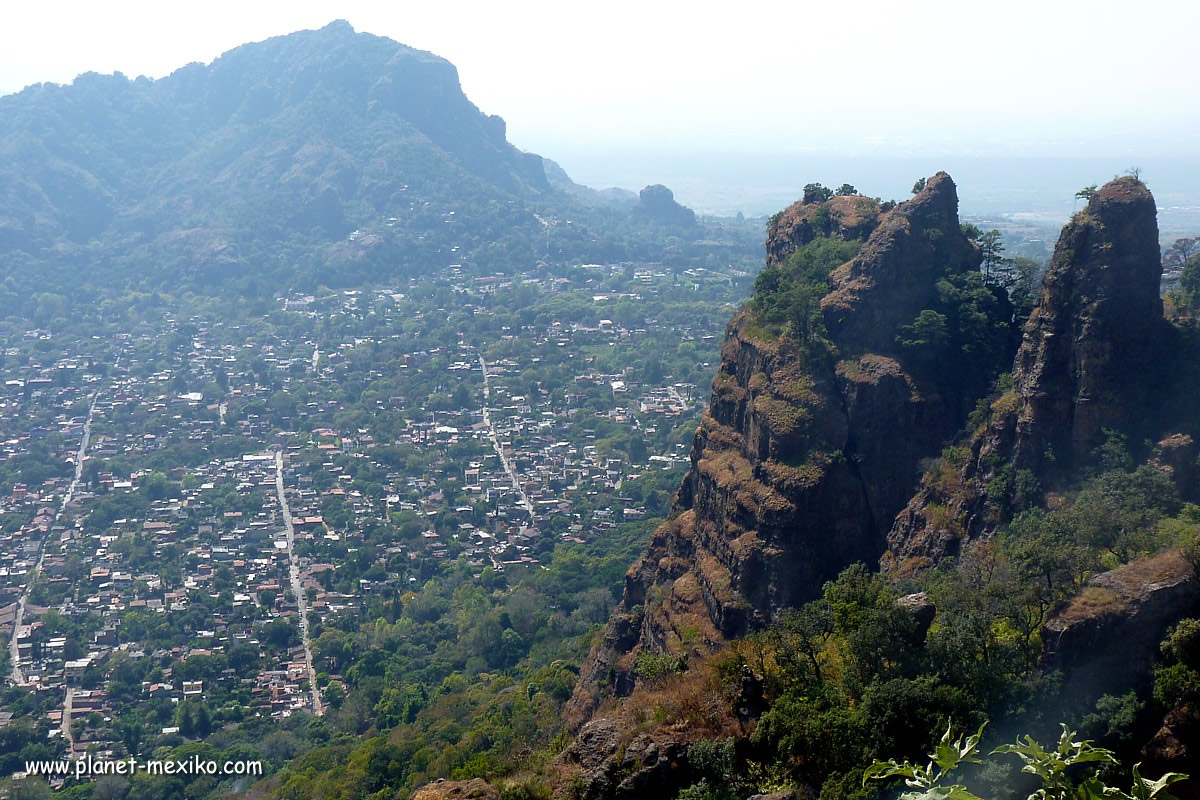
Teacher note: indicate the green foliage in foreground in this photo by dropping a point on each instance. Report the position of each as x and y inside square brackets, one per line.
[851, 677]
[1051, 767]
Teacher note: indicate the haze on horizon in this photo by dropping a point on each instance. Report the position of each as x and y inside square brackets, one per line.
[626, 81]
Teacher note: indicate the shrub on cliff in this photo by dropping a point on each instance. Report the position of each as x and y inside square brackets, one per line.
[787, 298]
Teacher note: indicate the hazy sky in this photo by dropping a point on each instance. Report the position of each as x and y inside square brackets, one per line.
[865, 77]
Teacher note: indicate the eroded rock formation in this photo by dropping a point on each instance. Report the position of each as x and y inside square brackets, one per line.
[1091, 355]
[1135, 605]
[845, 217]
[657, 204]
[803, 458]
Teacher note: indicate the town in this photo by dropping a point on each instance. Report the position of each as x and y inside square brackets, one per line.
[189, 504]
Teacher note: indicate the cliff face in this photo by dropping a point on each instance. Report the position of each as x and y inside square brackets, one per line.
[806, 455]
[895, 275]
[1089, 360]
[1100, 325]
[1136, 605]
[803, 459]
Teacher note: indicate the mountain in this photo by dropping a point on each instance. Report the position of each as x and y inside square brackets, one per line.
[622, 199]
[1020, 490]
[656, 204]
[323, 156]
[803, 458]
[311, 113]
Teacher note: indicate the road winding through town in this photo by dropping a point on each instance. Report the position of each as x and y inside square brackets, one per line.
[509, 467]
[16, 675]
[297, 589]
[66, 721]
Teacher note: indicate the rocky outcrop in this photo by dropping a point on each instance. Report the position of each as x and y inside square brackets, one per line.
[1175, 747]
[657, 204]
[804, 456]
[1179, 456]
[895, 275]
[1134, 605]
[1086, 364]
[474, 789]
[1099, 326]
[1106, 640]
[611, 765]
[844, 217]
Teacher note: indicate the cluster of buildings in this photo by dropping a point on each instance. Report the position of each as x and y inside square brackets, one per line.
[184, 509]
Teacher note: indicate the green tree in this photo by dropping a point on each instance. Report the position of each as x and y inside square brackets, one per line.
[816, 193]
[789, 296]
[992, 247]
[1189, 282]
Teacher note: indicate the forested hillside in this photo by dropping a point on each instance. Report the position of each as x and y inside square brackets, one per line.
[324, 157]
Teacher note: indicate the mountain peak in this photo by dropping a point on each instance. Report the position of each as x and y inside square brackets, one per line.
[1125, 189]
[657, 203]
[895, 275]
[844, 216]
[1096, 327]
[939, 194]
[339, 26]
[808, 449]
[338, 128]
[1085, 366]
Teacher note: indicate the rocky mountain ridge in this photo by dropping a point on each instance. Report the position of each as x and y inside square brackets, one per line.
[799, 468]
[1093, 354]
[804, 458]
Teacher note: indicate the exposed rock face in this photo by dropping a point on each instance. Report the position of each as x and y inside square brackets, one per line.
[657, 204]
[474, 789]
[895, 275]
[1174, 748]
[1098, 328]
[1177, 454]
[802, 462]
[1106, 641]
[1134, 606]
[844, 217]
[922, 610]
[647, 766]
[1085, 364]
